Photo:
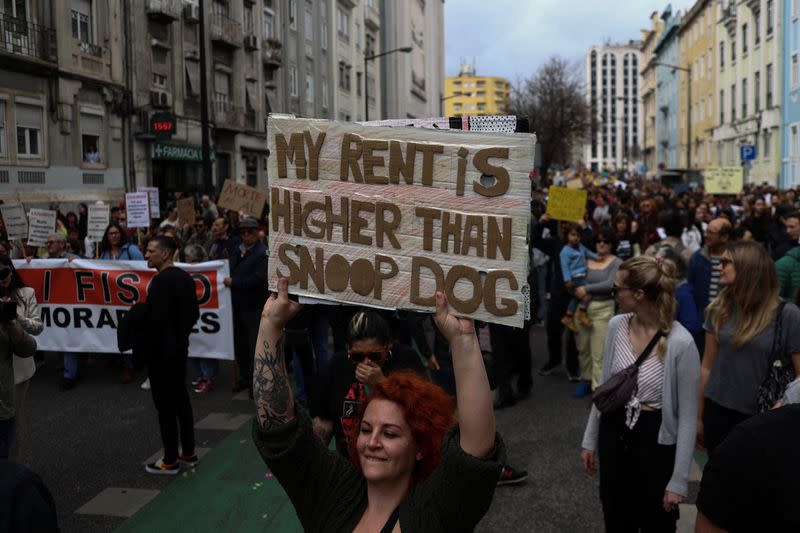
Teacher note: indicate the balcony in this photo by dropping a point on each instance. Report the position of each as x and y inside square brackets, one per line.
[728, 18]
[372, 18]
[164, 11]
[271, 52]
[91, 59]
[26, 40]
[225, 31]
[754, 5]
[228, 116]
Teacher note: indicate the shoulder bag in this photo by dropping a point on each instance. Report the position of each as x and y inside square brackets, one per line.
[780, 371]
[620, 388]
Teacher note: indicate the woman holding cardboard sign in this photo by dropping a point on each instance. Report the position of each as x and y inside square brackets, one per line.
[410, 469]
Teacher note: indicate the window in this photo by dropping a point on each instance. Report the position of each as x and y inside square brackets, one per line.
[324, 92]
[357, 32]
[481, 106]
[192, 78]
[81, 20]
[220, 7]
[222, 90]
[767, 144]
[308, 25]
[733, 103]
[770, 16]
[91, 130]
[342, 22]
[757, 91]
[744, 39]
[769, 86]
[744, 98]
[358, 83]
[159, 80]
[795, 72]
[249, 28]
[3, 149]
[733, 51]
[293, 80]
[722, 55]
[309, 88]
[756, 28]
[323, 34]
[721, 107]
[251, 95]
[794, 142]
[268, 25]
[29, 131]
[293, 14]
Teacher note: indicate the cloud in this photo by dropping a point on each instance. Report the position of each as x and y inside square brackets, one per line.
[512, 38]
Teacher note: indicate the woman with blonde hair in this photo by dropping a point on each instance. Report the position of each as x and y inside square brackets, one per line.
[645, 449]
[740, 329]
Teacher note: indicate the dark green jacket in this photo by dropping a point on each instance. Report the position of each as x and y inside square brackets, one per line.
[330, 495]
[788, 268]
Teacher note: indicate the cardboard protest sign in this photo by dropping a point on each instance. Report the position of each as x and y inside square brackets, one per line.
[238, 197]
[574, 183]
[137, 206]
[97, 221]
[566, 204]
[386, 216]
[152, 194]
[15, 221]
[724, 180]
[186, 212]
[42, 224]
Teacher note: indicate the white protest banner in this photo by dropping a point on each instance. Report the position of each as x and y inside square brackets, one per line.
[97, 221]
[152, 194]
[137, 207]
[15, 221]
[81, 303]
[385, 216]
[42, 224]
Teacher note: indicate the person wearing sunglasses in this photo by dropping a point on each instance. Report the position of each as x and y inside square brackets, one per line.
[370, 356]
[19, 322]
[200, 235]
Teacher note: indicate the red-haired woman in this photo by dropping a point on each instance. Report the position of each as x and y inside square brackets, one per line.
[411, 470]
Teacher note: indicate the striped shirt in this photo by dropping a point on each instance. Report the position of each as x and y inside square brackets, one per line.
[713, 284]
[651, 371]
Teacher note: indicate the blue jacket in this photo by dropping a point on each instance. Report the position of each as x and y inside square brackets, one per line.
[127, 252]
[249, 290]
[687, 311]
[699, 277]
[573, 261]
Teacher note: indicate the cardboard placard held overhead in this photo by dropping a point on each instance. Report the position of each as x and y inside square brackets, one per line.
[137, 206]
[42, 224]
[724, 180]
[15, 221]
[186, 212]
[97, 222]
[566, 204]
[238, 197]
[385, 216]
[152, 194]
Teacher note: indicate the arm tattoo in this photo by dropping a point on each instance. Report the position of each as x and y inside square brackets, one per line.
[271, 388]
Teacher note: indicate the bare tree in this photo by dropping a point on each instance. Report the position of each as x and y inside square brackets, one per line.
[554, 101]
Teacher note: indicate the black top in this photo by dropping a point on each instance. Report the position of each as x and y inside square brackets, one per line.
[750, 483]
[172, 312]
[340, 392]
[249, 289]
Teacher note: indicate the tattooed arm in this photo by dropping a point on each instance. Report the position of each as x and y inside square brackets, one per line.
[271, 388]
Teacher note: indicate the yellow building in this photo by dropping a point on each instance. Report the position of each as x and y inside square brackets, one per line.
[468, 94]
[648, 89]
[697, 52]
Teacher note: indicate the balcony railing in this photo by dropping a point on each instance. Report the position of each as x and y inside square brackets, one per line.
[164, 10]
[226, 30]
[228, 116]
[271, 52]
[21, 37]
[372, 17]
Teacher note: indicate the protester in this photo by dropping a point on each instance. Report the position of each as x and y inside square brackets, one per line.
[573, 268]
[600, 274]
[14, 341]
[206, 368]
[407, 468]
[170, 314]
[686, 313]
[223, 244]
[788, 270]
[740, 328]
[200, 236]
[209, 209]
[172, 217]
[627, 246]
[785, 231]
[645, 449]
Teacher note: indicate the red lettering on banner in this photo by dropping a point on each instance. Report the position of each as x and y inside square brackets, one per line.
[123, 288]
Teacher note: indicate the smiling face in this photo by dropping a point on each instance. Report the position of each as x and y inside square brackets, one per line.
[386, 448]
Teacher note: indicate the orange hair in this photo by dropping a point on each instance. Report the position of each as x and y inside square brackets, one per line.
[428, 410]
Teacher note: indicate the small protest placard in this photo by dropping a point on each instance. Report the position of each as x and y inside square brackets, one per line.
[97, 221]
[566, 204]
[186, 212]
[42, 224]
[385, 216]
[152, 194]
[15, 221]
[238, 197]
[724, 180]
[137, 206]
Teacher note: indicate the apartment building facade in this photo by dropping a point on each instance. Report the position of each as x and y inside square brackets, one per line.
[470, 94]
[63, 103]
[749, 87]
[667, 79]
[790, 139]
[697, 39]
[648, 91]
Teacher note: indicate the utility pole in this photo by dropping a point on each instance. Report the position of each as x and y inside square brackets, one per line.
[367, 57]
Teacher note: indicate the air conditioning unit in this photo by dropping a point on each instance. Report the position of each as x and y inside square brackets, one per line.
[159, 98]
[191, 12]
[251, 42]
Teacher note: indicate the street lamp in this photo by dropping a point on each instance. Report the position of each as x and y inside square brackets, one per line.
[689, 109]
[367, 57]
[442, 99]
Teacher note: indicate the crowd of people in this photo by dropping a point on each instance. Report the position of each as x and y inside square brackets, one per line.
[697, 291]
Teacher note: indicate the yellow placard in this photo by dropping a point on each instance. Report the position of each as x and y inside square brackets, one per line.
[566, 204]
[724, 180]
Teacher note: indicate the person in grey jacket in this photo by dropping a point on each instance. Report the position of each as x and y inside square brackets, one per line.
[645, 449]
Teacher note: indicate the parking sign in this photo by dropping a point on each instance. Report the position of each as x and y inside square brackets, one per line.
[747, 152]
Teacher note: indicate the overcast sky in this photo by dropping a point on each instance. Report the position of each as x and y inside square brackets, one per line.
[511, 38]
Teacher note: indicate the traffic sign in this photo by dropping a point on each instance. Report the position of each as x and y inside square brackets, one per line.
[747, 152]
